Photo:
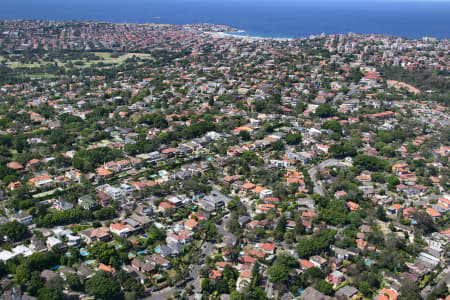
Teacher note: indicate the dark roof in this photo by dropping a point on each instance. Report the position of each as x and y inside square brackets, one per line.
[48, 274]
[85, 270]
[313, 294]
[175, 246]
[244, 220]
[346, 291]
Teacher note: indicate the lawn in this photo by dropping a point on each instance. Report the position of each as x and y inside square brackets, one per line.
[78, 228]
[105, 57]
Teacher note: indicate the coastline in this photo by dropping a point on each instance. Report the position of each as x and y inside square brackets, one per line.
[223, 31]
[246, 37]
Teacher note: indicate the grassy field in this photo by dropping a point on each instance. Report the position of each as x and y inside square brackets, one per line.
[105, 57]
[42, 75]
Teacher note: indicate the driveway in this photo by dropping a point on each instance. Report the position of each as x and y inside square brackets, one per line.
[194, 271]
[318, 185]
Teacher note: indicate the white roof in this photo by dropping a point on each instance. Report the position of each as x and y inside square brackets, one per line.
[59, 231]
[52, 241]
[21, 249]
[174, 199]
[6, 255]
[73, 237]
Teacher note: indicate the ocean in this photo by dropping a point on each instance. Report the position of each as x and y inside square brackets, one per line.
[276, 18]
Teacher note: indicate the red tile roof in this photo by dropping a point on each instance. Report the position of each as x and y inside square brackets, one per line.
[14, 165]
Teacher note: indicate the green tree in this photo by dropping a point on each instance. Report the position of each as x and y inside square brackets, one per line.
[410, 291]
[103, 252]
[131, 285]
[371, 163]
[325, 111]
[378, 177]
[3, 269]
[385, 136]
[333, 125]
[277, 145]
[324, 287]
[278, 273]
[14, 230]
[364, 288]
[293, 139]
[50, 294]
[244, 135]
[258, 294]
[307, 247]
[74, 282]
[35, 283]
[440, 291]
[424, 222]
[342, 150]
[392, 181]
[103, 286]
[335, 213]
[387, 151]
[206, 286]
[22, 275]
[235, 295]
[280, 228]
[354, 218]
[356, 75]
[210, 231]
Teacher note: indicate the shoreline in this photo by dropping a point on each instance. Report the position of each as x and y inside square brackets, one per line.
[238, 33]
[247, 37]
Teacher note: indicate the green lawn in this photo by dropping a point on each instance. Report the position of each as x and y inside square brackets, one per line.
[105, 57]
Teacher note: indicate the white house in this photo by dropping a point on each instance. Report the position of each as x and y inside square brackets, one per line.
[265, 194]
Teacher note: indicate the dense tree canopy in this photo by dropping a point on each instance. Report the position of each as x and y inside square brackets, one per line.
[372, 163]
[14, 230]
[103, 286]
[307, 247]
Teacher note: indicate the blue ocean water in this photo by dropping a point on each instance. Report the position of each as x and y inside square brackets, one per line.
[267, 18]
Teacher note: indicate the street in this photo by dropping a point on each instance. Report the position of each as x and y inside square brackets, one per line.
[318, 185]
[194, 272]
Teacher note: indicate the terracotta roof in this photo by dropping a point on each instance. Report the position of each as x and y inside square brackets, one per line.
[257, 253]
[118, 226]
[388, 294]
[248, 259]
[166, 205]
[103, 172]
[106, 268]
[248, 185]
[39, 178]
[432, 212]
[191, 223]
[266, 206]
[245, 274]
[266, 246]
[215, 274]
[258, 189]
[222, 264]
[33, 161]
[352, 205]
[396, 206]
[14, 165]
[306, 264]
[99, 232]
[272, 199]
